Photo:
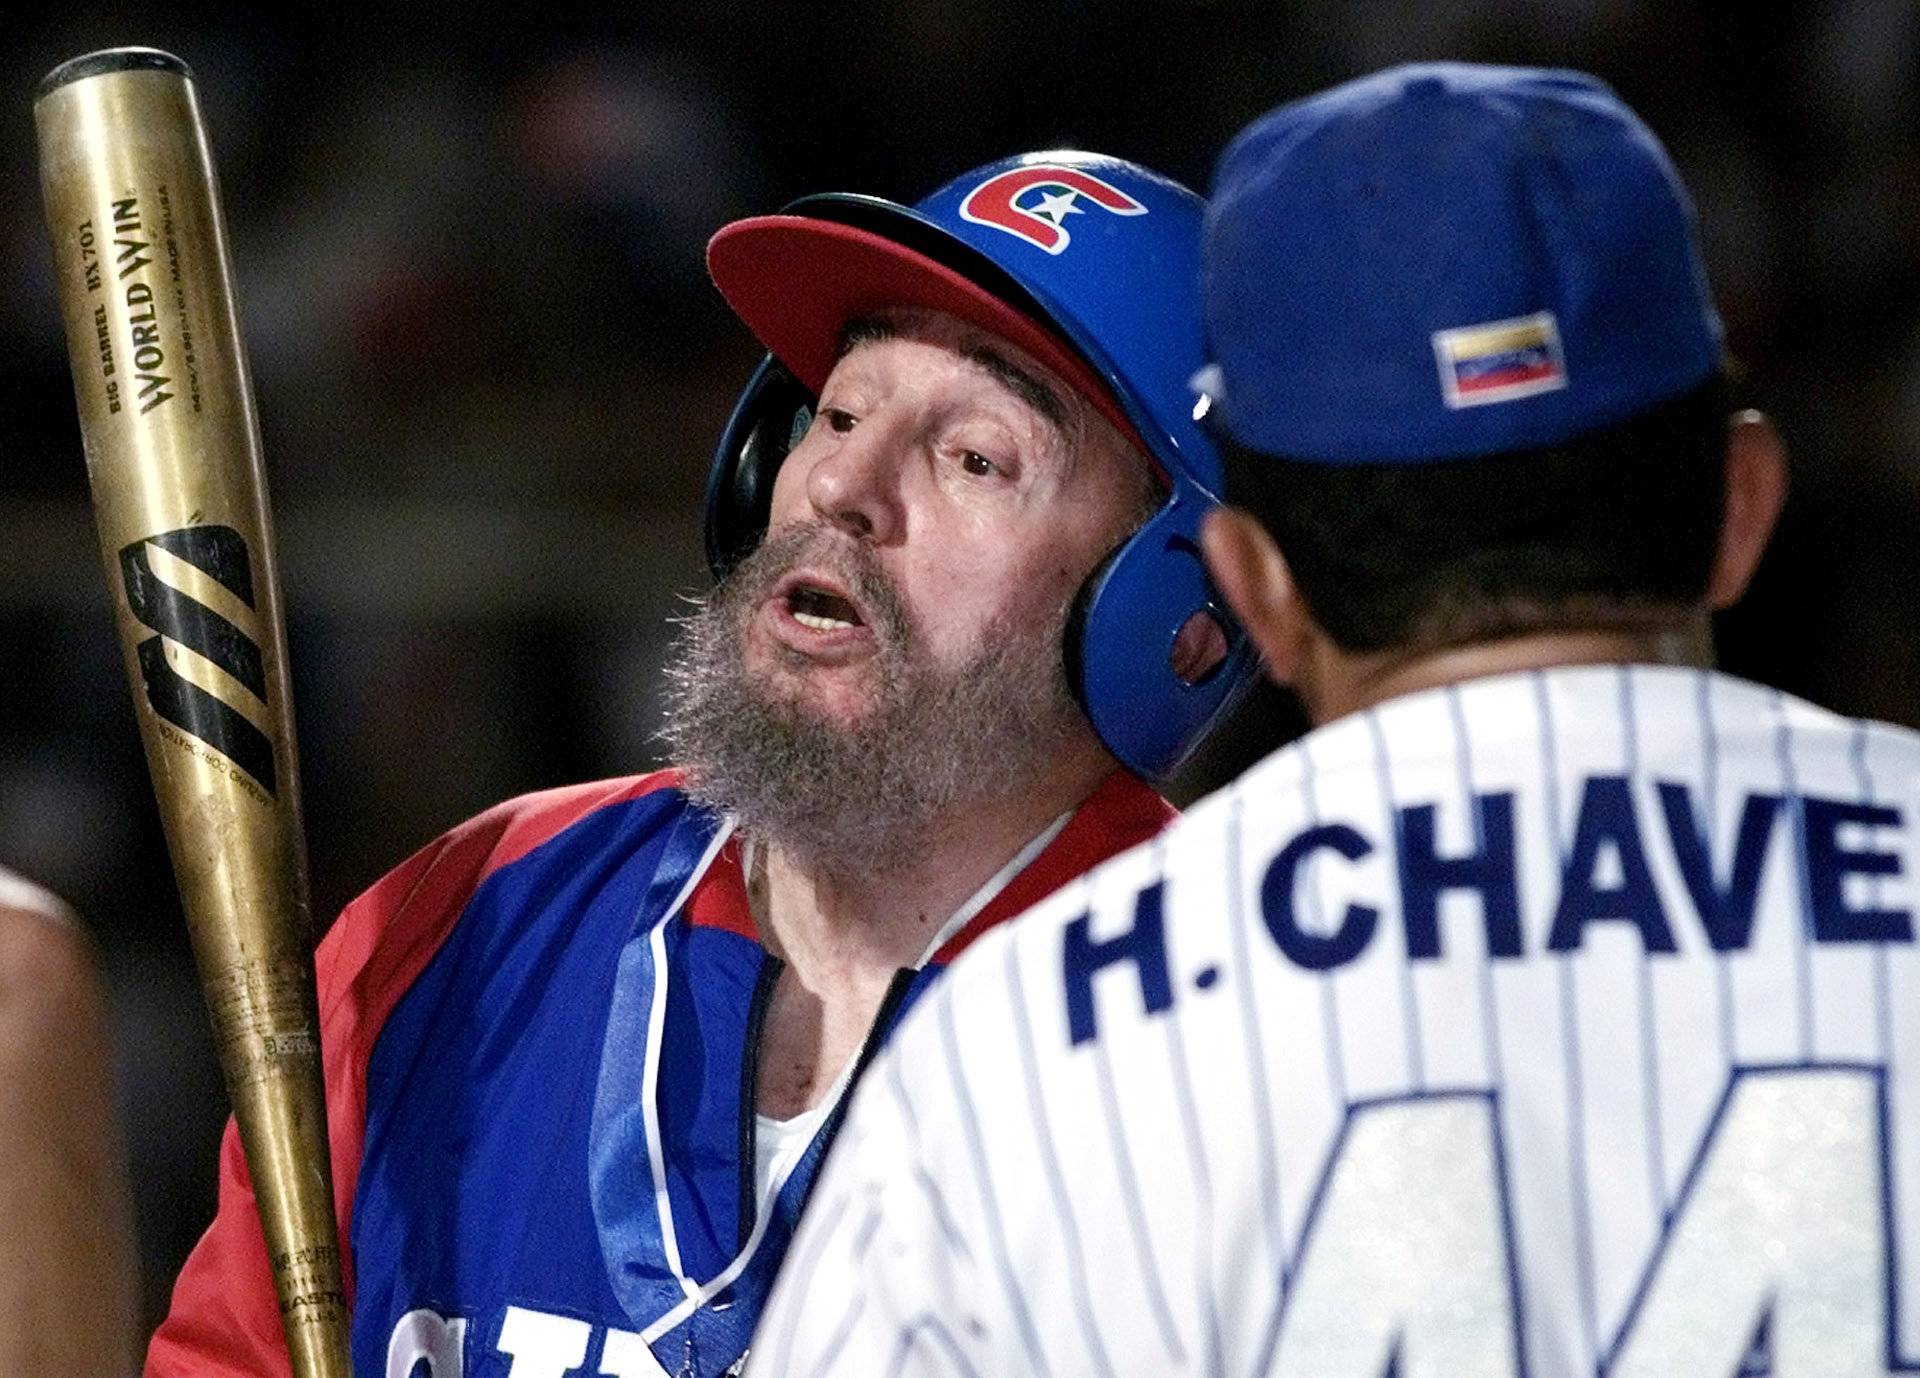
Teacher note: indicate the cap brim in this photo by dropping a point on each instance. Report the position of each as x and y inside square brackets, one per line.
[797, 281]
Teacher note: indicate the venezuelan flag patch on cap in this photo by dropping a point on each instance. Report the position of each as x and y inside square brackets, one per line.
[1500, 361]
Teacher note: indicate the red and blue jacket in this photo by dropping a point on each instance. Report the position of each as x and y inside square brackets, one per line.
[539, 1034]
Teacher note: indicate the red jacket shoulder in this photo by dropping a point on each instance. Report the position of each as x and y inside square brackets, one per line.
[224, 1320]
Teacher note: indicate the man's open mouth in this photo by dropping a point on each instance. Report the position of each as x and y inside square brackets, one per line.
[821, 609]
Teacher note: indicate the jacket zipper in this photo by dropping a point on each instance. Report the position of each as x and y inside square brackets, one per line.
[882, 1021]
[770, 969]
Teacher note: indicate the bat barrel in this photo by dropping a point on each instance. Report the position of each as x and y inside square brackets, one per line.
[173, 459]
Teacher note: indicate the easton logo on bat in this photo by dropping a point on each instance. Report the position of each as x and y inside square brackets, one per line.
[220, 553]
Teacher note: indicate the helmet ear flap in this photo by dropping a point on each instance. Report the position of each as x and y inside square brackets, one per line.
[767, 422]
[1125, 645]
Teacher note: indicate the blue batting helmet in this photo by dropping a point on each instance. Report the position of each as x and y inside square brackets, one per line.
[1109, 300]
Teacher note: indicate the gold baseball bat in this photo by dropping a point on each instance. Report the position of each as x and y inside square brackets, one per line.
[173, 459]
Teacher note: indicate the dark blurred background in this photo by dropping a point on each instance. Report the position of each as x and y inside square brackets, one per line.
[490, 370]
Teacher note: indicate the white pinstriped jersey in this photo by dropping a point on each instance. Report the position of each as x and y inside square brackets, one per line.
[1548, 1024]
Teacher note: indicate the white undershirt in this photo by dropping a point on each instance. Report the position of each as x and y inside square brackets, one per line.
[778, 1144]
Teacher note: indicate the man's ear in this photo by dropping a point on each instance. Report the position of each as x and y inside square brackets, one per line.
[1756, 488]
[1252, 574]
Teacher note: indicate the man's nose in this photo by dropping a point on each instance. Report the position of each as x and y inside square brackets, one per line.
[856, 488]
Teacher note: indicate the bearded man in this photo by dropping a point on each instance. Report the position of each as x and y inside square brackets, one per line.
[585, 1052]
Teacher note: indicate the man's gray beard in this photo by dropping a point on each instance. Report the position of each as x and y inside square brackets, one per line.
[860, 796]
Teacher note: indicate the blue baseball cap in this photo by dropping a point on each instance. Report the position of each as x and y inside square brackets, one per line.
[1445, 260]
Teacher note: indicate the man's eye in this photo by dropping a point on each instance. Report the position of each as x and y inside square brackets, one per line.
[838, 418]
[977, 464]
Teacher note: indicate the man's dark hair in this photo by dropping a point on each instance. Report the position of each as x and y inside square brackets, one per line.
[1617, 527]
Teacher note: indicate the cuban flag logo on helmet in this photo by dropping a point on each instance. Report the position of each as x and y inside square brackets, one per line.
[1034, 202]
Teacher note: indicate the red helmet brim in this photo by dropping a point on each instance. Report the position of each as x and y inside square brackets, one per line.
[796, 282]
